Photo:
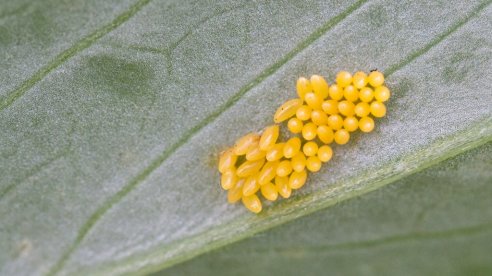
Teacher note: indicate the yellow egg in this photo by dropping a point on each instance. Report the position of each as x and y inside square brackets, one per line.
[283, 188]
[268, 172]
[284, 168]
[304, 113]
[344, 78]
[320, 86]
[313, 100]
[325, 153]
[325, 134]
[330, 107]
[295, 125]
[366, 124]
[227, 160]
[287, 110]
[297, 179]
[350, 93]
[276, 152]
[366, 94]
[313, 164]
[346, 108]
[378, 109]
[249, 167]
[244, 143]
[303, 86]
[319, 117]
[362, 109]
[269, 191]
[335, 92]
[359, 79]
[255, 153]
[376, 79]
[351, 124]
[228, 179]
[292, 147]
[235, 193]
[252, 203]
[310, 148]
[342, 137]
[335, 122]
[309, 131]
[251, 185]
[298, 162]
[382, 93]
[269, 137]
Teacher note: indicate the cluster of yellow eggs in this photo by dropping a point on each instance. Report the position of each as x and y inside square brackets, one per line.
[322, 114]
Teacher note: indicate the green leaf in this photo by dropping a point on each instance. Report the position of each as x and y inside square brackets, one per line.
[438, 221]
[112, 114]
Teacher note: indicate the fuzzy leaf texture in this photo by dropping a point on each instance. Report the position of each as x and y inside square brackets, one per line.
[112, 114]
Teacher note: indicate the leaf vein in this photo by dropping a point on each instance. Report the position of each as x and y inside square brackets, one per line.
[82, 44]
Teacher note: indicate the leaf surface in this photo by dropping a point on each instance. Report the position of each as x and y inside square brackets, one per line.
[109, 139]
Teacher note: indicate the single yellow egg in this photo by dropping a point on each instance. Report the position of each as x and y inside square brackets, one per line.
[359, 79]
[320, 86]
[292, 147]
[295, 125]
[283, 188]
[335, 122]
[249, 167]
[313, 100]
[276, 152]
[252, 203]
[346, 108]
[366, 124]
[366, 94]
[382, 93]
[313, 164]
[344, 78]
[378, 109]
[342, 137]
[287, 110]
[351, 124]
[335, 92]
[325, 134]
[269, 137]
[228, 179]
[284, 168]
[309, 131]
[325, 153]
[251, 185]
[304, 113]
[310, 148]
[303, 86]
[376, 79]
[362, 109]
[227, 160]
[351, 93]
[298, 162]
[269, 191]
[244, 143]
[319, 117]
[235, 193]
[297, 179]
[268, 172]
[330, 107]
[255, 153]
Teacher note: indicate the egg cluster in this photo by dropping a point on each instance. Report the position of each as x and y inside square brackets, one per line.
[322, 114]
